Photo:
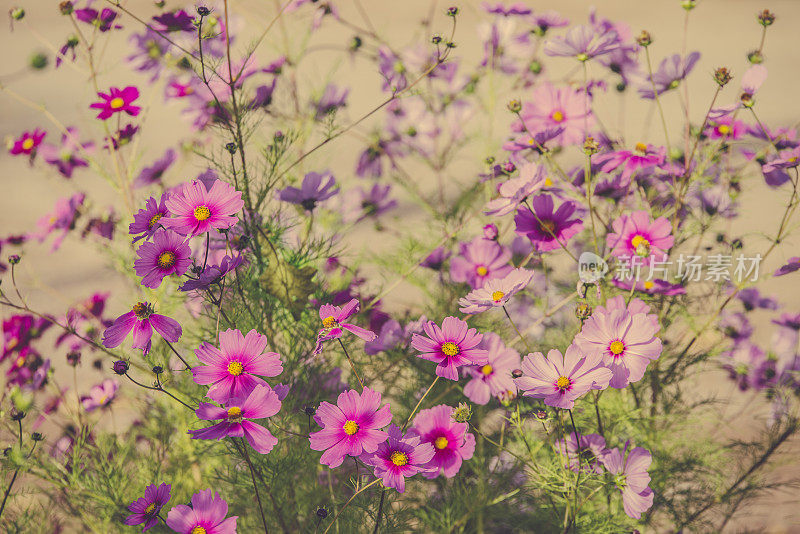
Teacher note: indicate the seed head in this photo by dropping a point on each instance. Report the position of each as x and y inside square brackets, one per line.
[644, 39]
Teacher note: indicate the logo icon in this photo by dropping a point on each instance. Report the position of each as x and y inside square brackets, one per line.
[591, 268]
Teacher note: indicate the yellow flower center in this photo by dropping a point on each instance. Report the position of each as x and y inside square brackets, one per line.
[649, 284]
[399, 458]
[450, 349]
[166, 259]
[116, 103]
[153, 220]
[350, 427]
[141, 310]
[201, 213]
[557, 116]
[497, 296]
[641, 245]
[548, 182]
[329, 322]
[235, 414]
[724, 129]
[563, 382]
[481, 270]
[150, 508]
[441, 443]
[235, 368]
[198, 530]
[549, 227]
[103, 399]
[616, 348]
[487, 369]
[27, 144]
[641, 147]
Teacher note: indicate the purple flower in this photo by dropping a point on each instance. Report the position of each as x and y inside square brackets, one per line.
[117, 101]
[791, 266]
[654, 286]
[501, 9]
[587, 457]
[142, 319]
[561, 379]
[452, 444]
[495, 292]
[154, 173]
[582, 43]
[400, 457]
[752, 299]
[100, 395]
[451, 346]
[351, 426]
[316, 187]
[213, 274]
[176, 21]
[642, 158]
[145, 509]
[546, 227]
[494, 378]
[390, 335]
[27, 143]
[550, 107]
[638, 235]
[546, 20]
[671, 71]
[236, 419]
[513, 192]
[206, 514]
[480, 260]
[146, 220]
[359, 204]
[150, 49]
[333, 323]
[744, 363]
[103, 20]
[19, 331]
[435, 260]
[168, 254]
[64, 216]
[631, 477]
[65, 155]
[122, 137]
[331, 100]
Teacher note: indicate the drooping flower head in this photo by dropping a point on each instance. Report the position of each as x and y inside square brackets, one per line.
[493, 379]
[117, 101]
[195, 210]
[480, 260]
[399, 457]
[230, 369]
[27, 142]
[142, 319]
[631, 477]
[236, 418]
[548, 228]
[334, 322]
[145, 509]
[452, 444]
[350, 427]
[561, 379]
[148, 219]
[495, 292]
[451, 346]
[100, 395]
[638, 235]
[206, 515]
[316, 187]
[587, 457]
[167, 254]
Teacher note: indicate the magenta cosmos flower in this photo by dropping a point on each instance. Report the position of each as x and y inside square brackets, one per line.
[451, 346]
[196, 210]
[351, 426]
[550, 108]
[147, 220]
[452, 444]
[638, 235]
[632, 479]
[494, 378]
[236, 418]
[100, 395]
[116, 101]
[546, 227]
[399, 457]
[145, 509]
[142, 319]
[167, 254]
[625, 341]
[206, 515]
[495, 292]
[230, 369]
[334, 323]
[478, 261]
[27, 142]
[560, 379]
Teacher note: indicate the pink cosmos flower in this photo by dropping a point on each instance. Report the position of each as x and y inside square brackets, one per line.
[145, 509]
[100, 395]
[642, 157]
[27, 142]
[560, 379]
[451, 346]
[515, 190]
[147, 220]
[582, 43]
[236, 418]
[196, 210]
[205, 515]
[351, 426]
[399, 457]
[63, 217]
[638, 235]
[726, 128]
[142, 319]
[495, 292]
[478, 261]
[625, 341]
[452, 444]
[632, 479]
[546, 227]
[116, 101]
[230, 369]
[333, 323]
[550, 108]
[167, 254]
[493, 379]
[589, 455]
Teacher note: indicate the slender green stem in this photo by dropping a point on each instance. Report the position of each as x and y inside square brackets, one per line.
[189, 367]
[352, 365]
[655, 97]
[336, 517]
[436, 379]
[246, 454]
[380, 509]
[510, 320]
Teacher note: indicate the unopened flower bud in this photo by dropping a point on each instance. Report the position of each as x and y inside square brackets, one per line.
[766, 18]
[17, 415]
[755, 57]
[38, 61]
[541, 415]
[509, 167]
[74, 358]
[36, 436]
[644, 39]
[462, 413]
[231, 147]
[516, 373]
[121, 367]
[159, 3]
[591, 146]
[14, 259]
[535, 67]
[621, 86]
[203, 11]
[722, 76]
[450, 44]
[66, 8]
[157, 369]
[688, 5]
[489, 160]
[436, 39]
[490, 232]
[278, 135]
[321, 512]
[309, 410]
[452, 11]
[747, 100]
[514, 106]
[17, 13]
[583, 311]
